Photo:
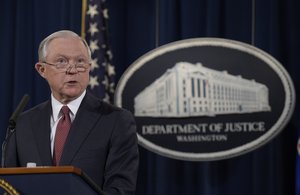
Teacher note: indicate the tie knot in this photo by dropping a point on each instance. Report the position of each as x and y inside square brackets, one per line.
[65, 110]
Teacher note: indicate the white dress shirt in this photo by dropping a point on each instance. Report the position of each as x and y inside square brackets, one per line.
[56, 114]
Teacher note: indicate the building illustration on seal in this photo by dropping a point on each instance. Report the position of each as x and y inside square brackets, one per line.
[188, 89]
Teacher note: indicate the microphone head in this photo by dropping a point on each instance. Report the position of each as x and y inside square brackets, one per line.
[19, 109]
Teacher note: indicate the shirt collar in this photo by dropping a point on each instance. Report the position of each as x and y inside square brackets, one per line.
[73, 105]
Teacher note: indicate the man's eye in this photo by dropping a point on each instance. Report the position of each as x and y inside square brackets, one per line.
[62, 61]
[81, 61]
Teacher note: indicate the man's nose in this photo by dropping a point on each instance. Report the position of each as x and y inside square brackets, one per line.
[72, 69]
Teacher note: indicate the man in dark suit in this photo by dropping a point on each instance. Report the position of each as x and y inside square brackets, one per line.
[98, 138]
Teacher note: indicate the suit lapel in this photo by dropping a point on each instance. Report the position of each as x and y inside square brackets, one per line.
[84, 121]
[41, 130]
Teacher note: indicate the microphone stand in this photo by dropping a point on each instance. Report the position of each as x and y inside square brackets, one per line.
[12, 126]
[9, 132]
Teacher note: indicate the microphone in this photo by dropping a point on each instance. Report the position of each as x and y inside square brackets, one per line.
[19, 109]
[12, 124]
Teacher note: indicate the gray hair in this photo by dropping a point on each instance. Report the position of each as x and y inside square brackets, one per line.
[59, 34]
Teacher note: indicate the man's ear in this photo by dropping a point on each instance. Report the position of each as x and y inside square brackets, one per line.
[40, 68]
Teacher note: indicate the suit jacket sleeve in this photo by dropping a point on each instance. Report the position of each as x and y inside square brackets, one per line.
[122, 163]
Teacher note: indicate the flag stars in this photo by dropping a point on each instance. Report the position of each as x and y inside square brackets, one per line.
[94, 64]
[93, 28]
[112, 88]
[109, 54]
[101, 81]
[92, 11]
[93, 81]
[106, 98]
[105, 13]
[105, 82]
[94, 45]
[110, 70]
[103, 46]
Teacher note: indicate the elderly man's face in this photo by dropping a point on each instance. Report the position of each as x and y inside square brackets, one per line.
[66, 84]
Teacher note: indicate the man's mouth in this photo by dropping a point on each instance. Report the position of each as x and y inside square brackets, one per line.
[72, 82]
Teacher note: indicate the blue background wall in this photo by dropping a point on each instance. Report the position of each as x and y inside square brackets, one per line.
[136, 27]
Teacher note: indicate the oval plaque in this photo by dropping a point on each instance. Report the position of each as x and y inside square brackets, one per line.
[206, 98]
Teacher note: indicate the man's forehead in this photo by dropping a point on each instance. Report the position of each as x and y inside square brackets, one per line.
[63, 40]
[67, 45]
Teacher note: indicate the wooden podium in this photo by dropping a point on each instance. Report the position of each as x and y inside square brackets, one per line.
[62, 180]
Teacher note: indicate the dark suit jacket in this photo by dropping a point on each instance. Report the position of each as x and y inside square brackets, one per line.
[102, 142]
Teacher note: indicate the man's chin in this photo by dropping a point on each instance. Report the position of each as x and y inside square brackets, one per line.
[71, 95]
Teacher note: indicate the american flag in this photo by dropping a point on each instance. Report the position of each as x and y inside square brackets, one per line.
[94, 31]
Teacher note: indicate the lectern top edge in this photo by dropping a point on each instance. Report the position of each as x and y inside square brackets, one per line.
[41, 170]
